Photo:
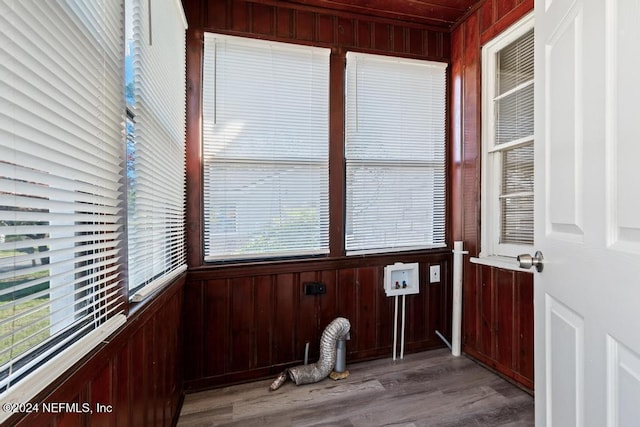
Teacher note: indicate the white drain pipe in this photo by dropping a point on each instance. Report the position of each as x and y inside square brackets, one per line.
[456, 317]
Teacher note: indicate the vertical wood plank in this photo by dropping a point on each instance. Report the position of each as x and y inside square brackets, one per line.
[217, 13]
[71, 419]
[102, 392]
[262, 19]
[433, 43]
[416, 41]
[138, 368]
[264, 317]
[419, 313]
[364, 34]
[304, 25]
[215, 327]
[240, 16]
[486, 338]
[384, 314]
[123, 386]
[150, 372]
[487, 15]
[382, 39]
[503, 7]
[307, 318]
[346, 32]
[241, 353]
[284, 22]
[444, 44]
[399, 39]
[329, 301]
[525, 332]
[505, 316]
[194, 345]
[326, 27]
[367, 282]
[285, 327]
[347, 304]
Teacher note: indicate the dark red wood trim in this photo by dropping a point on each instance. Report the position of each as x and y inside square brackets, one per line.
[506, 21]
[336, 154]
[294, 266]
[194, 207]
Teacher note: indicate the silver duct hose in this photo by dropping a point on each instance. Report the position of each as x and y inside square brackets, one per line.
[307, 374]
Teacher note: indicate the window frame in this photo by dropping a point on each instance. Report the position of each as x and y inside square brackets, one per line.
[91, 247]
[263, 160]
[360, 162]
[63, 164]
[492, 251]
[151, 128]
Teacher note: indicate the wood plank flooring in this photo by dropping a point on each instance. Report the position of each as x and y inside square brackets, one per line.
[425, 389]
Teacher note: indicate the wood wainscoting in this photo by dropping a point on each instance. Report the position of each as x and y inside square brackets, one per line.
[136, 375]
[246, 323]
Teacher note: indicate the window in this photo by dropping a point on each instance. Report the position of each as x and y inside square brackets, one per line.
[266, 144]
[61, 169]
[72, 157]
[395, 154]
[508, 138]
[155, 93]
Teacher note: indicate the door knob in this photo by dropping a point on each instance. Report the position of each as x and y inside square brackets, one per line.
[527, 261]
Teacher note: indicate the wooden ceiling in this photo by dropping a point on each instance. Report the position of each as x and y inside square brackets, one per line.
[438, 13]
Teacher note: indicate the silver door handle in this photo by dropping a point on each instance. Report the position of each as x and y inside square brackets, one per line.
[527, 261]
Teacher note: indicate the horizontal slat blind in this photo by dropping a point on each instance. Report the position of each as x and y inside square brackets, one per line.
[156, 150]
[61, 159]
[513, 104]
[265, 131]
[517, 195]
[395, 153]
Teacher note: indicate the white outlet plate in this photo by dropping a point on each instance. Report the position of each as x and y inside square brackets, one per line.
[434, 274]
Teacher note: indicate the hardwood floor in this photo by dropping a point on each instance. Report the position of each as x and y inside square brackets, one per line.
[424, 389]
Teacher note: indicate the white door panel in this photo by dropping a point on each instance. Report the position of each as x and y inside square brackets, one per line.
[587, 212]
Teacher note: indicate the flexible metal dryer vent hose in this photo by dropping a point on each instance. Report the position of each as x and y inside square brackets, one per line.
[307, 374]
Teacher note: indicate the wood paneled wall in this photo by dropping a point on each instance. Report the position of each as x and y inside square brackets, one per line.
[298, 23]
[498, 304]
[138, 372]
[250, 321]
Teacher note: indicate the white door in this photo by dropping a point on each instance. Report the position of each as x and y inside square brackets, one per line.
[587, 298]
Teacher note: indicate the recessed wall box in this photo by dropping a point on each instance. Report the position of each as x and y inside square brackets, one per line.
[401, 279]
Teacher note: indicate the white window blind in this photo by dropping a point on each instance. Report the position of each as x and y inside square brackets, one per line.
[61, 161]
[508, 121]
[395, 153]
[265, 132]
[514, 129]
[156, 145]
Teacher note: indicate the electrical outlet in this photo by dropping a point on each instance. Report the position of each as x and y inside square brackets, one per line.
[434, 274]
[314, 288]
